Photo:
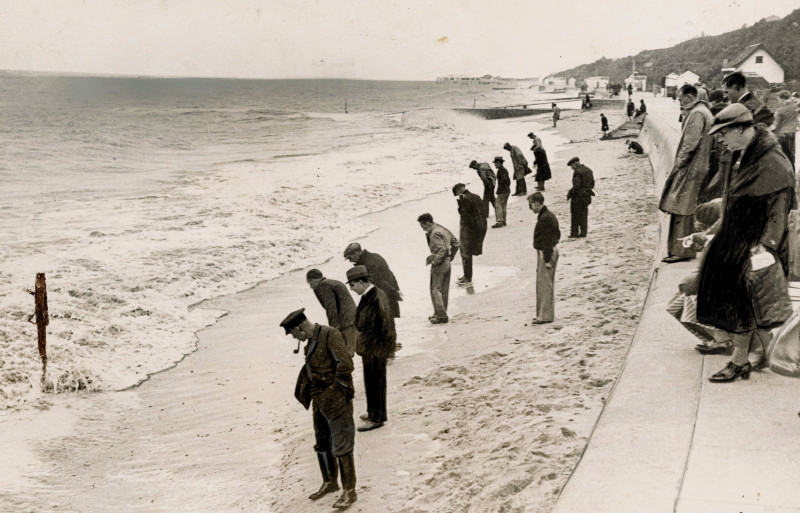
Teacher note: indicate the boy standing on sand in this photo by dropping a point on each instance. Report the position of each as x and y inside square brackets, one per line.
[556, 114]
[545, 238]
[326, 383]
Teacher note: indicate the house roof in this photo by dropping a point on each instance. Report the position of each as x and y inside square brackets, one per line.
[747, 52]
[755, 81]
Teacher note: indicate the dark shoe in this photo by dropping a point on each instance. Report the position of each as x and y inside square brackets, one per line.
[461, 280]
[326, 488]
[675, 258]
[573, 236]
[715, 349]
[440, 320]
[731, 372]
[464, 283]
[364, 416]
[537, 321]
[497, 225]
[346, 500]
[369, 425]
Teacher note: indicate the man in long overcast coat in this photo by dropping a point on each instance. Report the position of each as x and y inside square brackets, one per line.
[380, 274]
[472, 229]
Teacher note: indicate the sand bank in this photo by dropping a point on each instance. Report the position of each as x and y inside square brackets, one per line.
[487, 413]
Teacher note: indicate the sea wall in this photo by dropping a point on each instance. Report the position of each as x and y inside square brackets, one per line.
[659, 138]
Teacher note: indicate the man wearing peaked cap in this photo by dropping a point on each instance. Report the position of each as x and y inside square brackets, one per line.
[503, 191]
[380, 274]
[326, 384]
[375, 344]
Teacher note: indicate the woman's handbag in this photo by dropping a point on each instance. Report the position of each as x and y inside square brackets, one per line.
[768, 290]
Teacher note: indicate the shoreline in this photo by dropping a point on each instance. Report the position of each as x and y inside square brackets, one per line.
[290, 459]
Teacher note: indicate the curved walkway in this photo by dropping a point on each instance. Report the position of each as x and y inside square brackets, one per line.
[668, 439]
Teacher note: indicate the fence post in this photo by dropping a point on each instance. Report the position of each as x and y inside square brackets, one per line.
[42, 318]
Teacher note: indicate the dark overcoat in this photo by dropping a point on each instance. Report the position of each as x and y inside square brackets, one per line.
[337, 302]
[541, 163]
[473, 223]
[377, 337]
[382, 277]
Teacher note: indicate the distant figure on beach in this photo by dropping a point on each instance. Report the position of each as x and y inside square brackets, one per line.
[542, 167]
[472, 229]
[326, 384]
[488, 179]
[641, 110]
[630, 90]
[580, 197]
[545, 238]
[556, 114]
[603, 123]
[443, 247]
[742, 285]
[785, 125]
[376, 343]
[338, 304]
[629, 108]
[635, 147]
[503, 191]
[521, 169]
[382, 277]
[735, 86]
[690, 172]
[587, 102]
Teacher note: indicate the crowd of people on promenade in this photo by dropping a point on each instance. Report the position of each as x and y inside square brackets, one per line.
[735, 156]
[728, 195]
[367, 329]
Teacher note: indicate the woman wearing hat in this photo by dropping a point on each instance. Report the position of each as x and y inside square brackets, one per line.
[759, 195]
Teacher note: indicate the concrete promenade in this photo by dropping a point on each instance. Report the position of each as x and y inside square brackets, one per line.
[668, 440]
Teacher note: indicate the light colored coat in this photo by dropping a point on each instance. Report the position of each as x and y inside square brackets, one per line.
[691, 166]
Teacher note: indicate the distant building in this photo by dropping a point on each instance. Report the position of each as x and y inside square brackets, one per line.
[755, 59]
[687, 77]
[571, 82]
[637, 80]
[597, 83]
[459, 79]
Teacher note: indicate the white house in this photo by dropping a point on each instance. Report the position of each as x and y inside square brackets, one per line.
[755, 59]
[637, 80]
[553, 82]
[597, 83]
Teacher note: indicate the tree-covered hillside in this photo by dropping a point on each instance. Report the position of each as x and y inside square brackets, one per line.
[705, 55]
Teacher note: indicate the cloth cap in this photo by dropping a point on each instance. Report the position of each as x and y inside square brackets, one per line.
[531, 135]
[357, 272]
[499, 159]
[506, 146]
[351, 248]
[314, 274]
[732, 115]
[473, 163]
[573, 160]
[293, 320]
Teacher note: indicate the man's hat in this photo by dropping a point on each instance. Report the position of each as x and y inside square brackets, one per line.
[573, 160]
[531, 135]
[293, 320]
[734, 114]
[351, 248]
[457, 187]
[506, 146]
[473, 163]
[499, 159]
[357, 272]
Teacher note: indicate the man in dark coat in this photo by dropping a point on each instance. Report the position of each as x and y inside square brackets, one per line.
[520, 168]
[545, 238]
[380, 274]
[690, 171]
[503, 191]
[472, 229]
[603, 123]
[735, 86]
[542, 167]
[629, 108]
[641, 110]
[376, 343]
[488, 179]
[326, 383]
[338, 304]
[635, 147]
[580, 197]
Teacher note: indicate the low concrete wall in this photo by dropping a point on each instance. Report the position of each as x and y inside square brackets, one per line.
[660, 140]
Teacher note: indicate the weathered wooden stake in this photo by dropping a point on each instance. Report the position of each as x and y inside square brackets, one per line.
[42, 318]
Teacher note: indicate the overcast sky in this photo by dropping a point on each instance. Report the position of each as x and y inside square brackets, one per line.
[379, 39]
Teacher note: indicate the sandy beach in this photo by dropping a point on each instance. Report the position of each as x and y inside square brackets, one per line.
[487, 413]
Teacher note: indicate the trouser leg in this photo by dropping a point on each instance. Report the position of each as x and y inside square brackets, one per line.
[741, 347]
[522, 187]
[501, 208]
[446, 288]
[545, 286]
[679, 227]
[584, 221]
[348, 466]
[466, 260]
[574, 219]
[437, 297]
[369, 387]
[375, 387]
[540, 185]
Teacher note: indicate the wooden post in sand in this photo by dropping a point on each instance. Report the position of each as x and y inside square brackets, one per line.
[42, 318]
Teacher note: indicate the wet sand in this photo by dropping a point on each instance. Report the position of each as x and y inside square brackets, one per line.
[487, 413]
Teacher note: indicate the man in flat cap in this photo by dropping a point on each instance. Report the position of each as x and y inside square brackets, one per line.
[521, 169]
[472, 229]
[376, 343]
[488, 179]
[545, 240]
[338, 304]
[380, 274]
[326, 383]
[443, 246]
[503, 190]
[580, 197]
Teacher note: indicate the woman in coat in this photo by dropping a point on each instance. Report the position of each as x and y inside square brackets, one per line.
[760, 194]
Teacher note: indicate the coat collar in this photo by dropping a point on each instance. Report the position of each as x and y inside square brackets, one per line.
[312, 344]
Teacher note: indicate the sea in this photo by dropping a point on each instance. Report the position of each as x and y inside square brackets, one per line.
[141, 197]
